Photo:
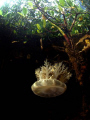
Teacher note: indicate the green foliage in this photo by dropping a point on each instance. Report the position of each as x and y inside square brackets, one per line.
[26, 18]
[14, 32]
[30, 4]
[20, 14]
[44, 23]
[86, 4]
[1, 12]
[62, 2]
[24, 10]
[38, 28]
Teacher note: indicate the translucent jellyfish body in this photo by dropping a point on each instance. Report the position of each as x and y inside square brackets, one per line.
[51, 80]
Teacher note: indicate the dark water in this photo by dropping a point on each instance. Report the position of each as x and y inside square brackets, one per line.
[18, 74]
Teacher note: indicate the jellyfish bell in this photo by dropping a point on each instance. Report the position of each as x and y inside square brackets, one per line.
[48, 88]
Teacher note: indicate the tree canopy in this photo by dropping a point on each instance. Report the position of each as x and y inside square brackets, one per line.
[44, 17]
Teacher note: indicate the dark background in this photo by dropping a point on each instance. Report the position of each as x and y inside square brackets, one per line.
[18, 74]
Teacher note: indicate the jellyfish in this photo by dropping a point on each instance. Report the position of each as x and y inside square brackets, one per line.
[51, 80]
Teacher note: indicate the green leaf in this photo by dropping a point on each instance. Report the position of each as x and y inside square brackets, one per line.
[30, 4]
[38, 27]
[22, 23]
[44, 23]
[80, 25]
[62, 2]
[70, 2]
[73, 31]
[60, 8]
[6, 14]
[20, 14]
[76, 31]
[24, 11]
[52, 12]
[38, 31]
[24, 42]
[46, 8]
[0, 12]
[14, 32]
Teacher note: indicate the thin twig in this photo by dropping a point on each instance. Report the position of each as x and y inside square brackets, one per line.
[65, 22]
[73, 22]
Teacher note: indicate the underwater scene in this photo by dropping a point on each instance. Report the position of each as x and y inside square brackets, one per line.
[45, 59]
